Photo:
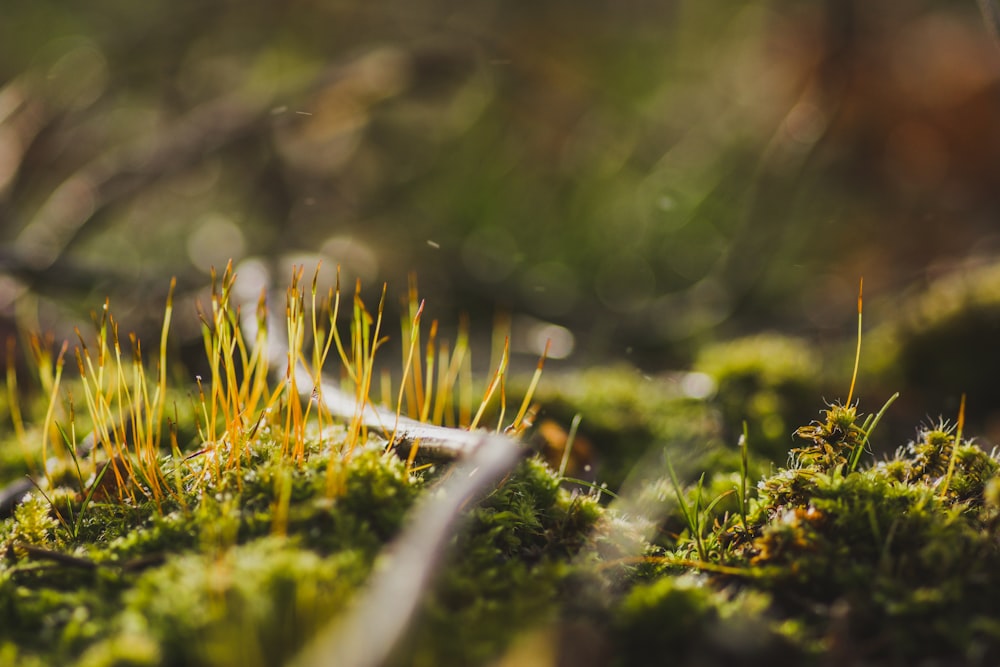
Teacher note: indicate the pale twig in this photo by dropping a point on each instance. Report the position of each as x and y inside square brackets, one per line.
[368, 633]
[370, 630]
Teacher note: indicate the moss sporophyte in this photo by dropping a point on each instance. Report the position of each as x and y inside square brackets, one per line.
[270, 515]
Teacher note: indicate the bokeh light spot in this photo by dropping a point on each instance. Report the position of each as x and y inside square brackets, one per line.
[78, 77]
[354, 257]
[698, 385]
[560, 340]
[216, 240]
[252, 277]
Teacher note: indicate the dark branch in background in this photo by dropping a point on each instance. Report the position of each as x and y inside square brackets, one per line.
[12, 495]
[123, 171]
[120, 173]
[68, 277]
[991, 16]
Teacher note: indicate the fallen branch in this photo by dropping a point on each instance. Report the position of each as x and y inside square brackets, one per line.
[372, 628]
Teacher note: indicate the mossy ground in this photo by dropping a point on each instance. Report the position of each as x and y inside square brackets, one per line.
[833, 557]
[881, 565]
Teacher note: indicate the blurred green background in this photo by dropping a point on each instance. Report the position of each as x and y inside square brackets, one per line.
[633, 178]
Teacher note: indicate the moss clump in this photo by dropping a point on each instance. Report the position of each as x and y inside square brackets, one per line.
[236, 547]
[510, 570]
[904, 569]
[216, 582]
[255, 604]
[889, 564]
[212, 579]
[693, 623]
[941, 339]
[834, 441]
[33, 523]
[241, 548]
[926, 458]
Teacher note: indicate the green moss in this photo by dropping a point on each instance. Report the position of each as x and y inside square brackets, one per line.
[905, 565]
[891, 563]
[941, 341]
[882, 563]
[832, 442]
[253, 605]
[34, 523]
[509, 570]
[688, 622]
[205, 580]
[886, 564]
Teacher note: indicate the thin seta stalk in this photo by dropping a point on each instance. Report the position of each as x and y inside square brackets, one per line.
[744, 446]
[495, 381]
[954, 449]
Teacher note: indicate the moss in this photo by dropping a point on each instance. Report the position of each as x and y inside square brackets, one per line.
[254, 605]
[974, 469]
[927, 457]
[941, 341]
[509, 570]
[55, 611]
[34, 523]
[905, 563]
[882, 563]
[125, 650]
[686, 619]
[206, 580]
[834, 441]
[825, 559]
